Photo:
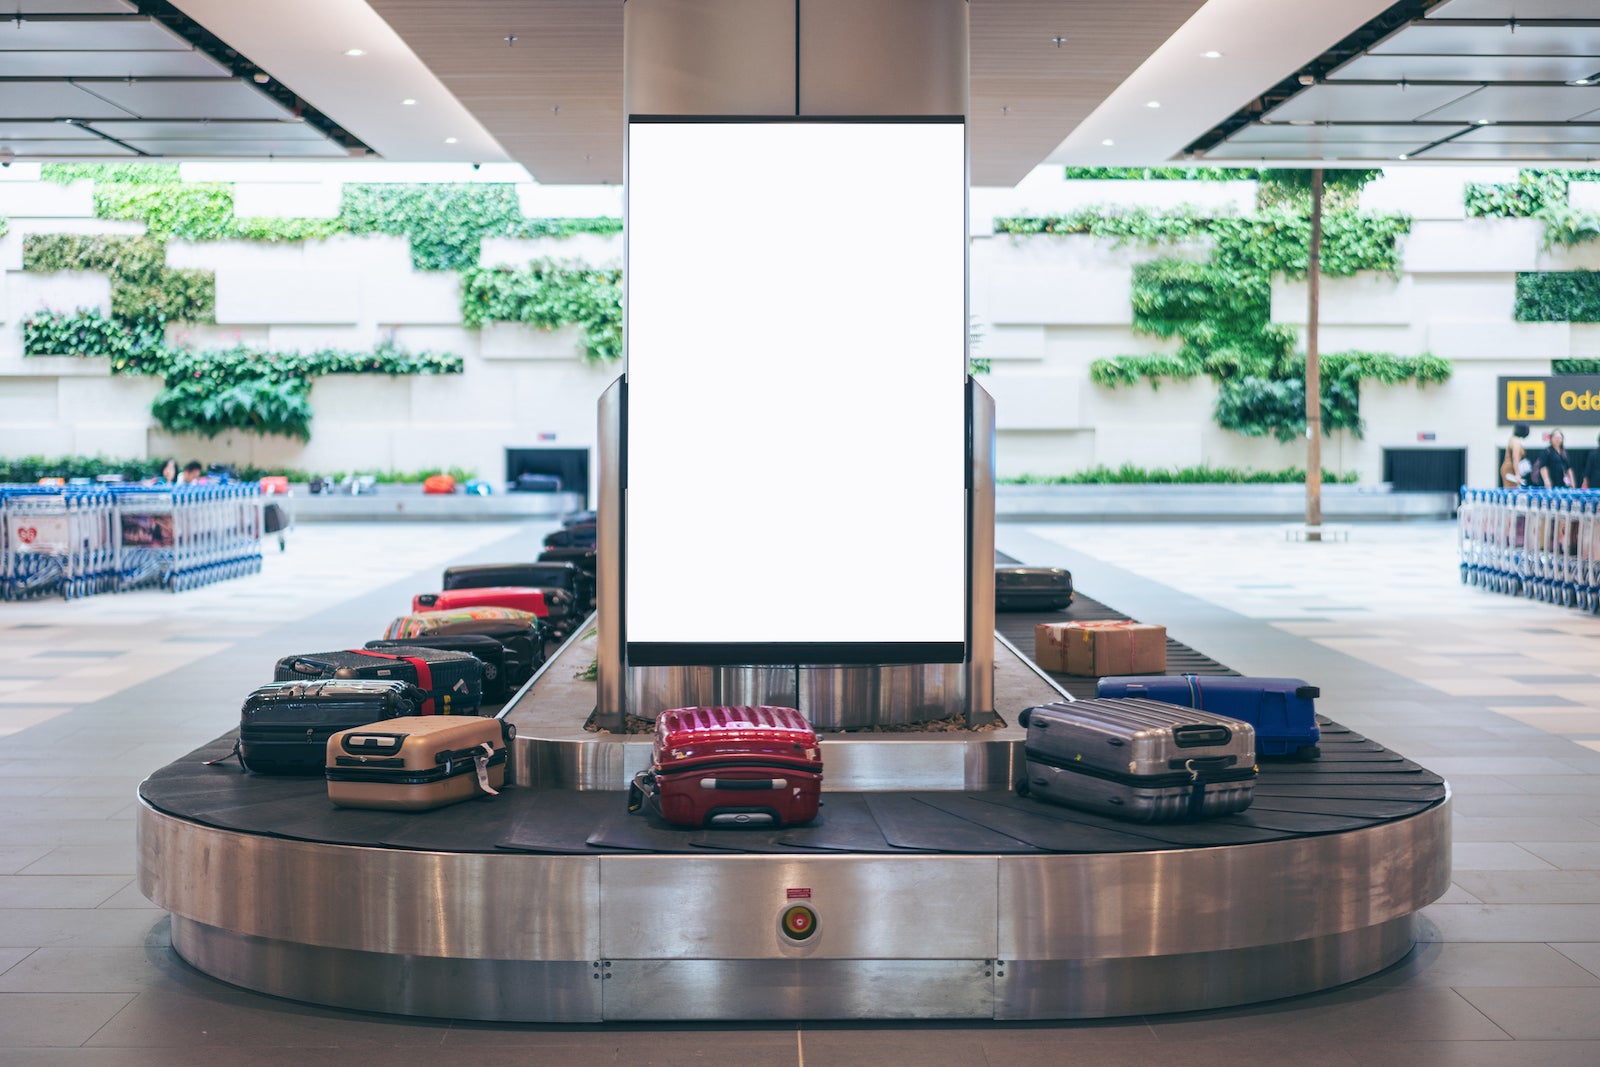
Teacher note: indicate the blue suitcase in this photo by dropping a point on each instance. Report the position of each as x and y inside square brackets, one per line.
[1281, 709]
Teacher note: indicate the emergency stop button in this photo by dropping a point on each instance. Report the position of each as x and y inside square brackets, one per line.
[799, 922]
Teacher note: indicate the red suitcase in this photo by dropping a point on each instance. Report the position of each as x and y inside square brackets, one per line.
[534, 601]
[749, 766]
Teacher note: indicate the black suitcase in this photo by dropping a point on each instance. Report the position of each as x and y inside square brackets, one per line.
[523, 642]
[452, 682]
[580, 536]
[578, 556]
[1032, 588]
[578, 518]
[536, 483]
[284, 726]
[486, 650]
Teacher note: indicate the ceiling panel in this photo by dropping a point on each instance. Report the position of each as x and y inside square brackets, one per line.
[1426, 38]
[193, 98]
[111, 65]
[1464, 149]
[239, 149]
[135, 34]
[212, 131]
[1522, 103]
[1393, 133]
[1288, 151]
[93, 147]
[1522, 9]
[53, 100]
[1532, 134]
[71, 7]
[43, 131]
[1367, 103]
[1393, 68]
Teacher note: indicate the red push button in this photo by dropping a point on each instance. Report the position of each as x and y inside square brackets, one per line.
[799, 922]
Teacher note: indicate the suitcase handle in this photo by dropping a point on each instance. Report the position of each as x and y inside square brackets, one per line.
[1197, 765]
[744, 783]
[1199, 736]
[372, 744]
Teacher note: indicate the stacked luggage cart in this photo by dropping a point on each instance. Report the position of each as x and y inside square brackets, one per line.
[74, 541]
[1543, 544]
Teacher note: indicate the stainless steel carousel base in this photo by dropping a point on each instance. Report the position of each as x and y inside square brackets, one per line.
[720, 990]
[531, 938]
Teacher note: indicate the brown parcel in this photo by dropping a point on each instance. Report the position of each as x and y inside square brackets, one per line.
[1096, 649]
[418, 762]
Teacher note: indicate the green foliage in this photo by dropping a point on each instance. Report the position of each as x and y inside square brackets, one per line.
[143, 287]
[1538, 194]
[1558, 296]
[547, 294]
[1220, 310]
[1128, 474]
[144, 173]
[1341, 188]
[225, 389]
[209, 404]
[1575, 366]
[445, 222]
[602, 225]
[1137, 174]
[1534, 191]
[190, 211]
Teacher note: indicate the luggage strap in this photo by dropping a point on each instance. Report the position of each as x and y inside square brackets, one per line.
[1197, 790]
[424, 675]
[480, 763]
[1197, 697]
[234, 754]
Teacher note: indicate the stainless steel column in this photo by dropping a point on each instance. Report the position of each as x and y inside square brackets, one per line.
[611, 691]
[980, 545]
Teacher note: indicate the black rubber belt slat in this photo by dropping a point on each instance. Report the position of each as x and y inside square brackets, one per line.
[909, 823]
[844, 824]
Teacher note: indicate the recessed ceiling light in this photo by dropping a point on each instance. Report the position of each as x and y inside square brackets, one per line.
[355, 51]
[1307, 79]
[1581, 81]
[1108, 142]
[1212, 54]
[1153, 103]
[1301, 122]
[1405, 155]
[450, 140]
[260, 77]
[1058, 41]
[408, 102]
[1480, 122]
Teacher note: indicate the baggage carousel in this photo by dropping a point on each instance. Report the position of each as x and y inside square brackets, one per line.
[925, 889]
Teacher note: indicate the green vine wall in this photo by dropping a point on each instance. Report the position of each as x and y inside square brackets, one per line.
[1219, 310]
[210, 392]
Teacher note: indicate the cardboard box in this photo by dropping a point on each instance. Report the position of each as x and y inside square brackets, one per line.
[1096, 649]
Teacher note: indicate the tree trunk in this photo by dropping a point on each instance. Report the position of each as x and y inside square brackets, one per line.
[1314, 369]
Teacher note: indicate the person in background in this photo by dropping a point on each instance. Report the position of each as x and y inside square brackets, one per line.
[169, 473]
[192, 472]
[1514, 469]
[1555, 470]
[1591, 470]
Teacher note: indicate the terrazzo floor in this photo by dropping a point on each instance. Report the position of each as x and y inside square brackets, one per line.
[1498, 694]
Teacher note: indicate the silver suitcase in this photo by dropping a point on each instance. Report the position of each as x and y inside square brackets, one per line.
[1140, 760]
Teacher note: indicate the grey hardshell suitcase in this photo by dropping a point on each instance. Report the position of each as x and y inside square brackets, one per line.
[1140, 760]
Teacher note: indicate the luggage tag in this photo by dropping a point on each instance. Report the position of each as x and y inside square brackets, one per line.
[480, 762]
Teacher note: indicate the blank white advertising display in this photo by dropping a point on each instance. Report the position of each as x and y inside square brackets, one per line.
[796, 437]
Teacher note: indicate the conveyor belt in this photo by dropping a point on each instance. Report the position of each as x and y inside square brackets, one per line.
[1357, 783]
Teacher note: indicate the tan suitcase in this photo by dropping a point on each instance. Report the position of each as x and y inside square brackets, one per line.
[419, 762]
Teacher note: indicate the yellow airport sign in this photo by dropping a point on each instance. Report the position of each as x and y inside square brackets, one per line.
[1558, 399]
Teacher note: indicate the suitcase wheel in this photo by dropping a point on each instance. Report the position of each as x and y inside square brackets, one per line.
[1022, 787]
[1308, 753]
[1023, 716]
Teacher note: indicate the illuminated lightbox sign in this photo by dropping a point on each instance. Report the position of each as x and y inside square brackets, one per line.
[795, 469]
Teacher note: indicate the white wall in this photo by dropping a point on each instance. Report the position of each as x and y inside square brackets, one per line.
[1046, 308]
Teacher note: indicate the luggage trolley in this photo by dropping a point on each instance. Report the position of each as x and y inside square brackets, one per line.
[57, 540]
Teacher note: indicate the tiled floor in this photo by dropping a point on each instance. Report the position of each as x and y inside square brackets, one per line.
[1500, 695]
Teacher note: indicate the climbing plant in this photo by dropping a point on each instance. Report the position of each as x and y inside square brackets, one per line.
[1558, 296]
[1537, 194]
[547, 294]
[1219, 309]
[210, 392]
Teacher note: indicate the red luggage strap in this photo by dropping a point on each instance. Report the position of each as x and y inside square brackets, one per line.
[424, 675]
